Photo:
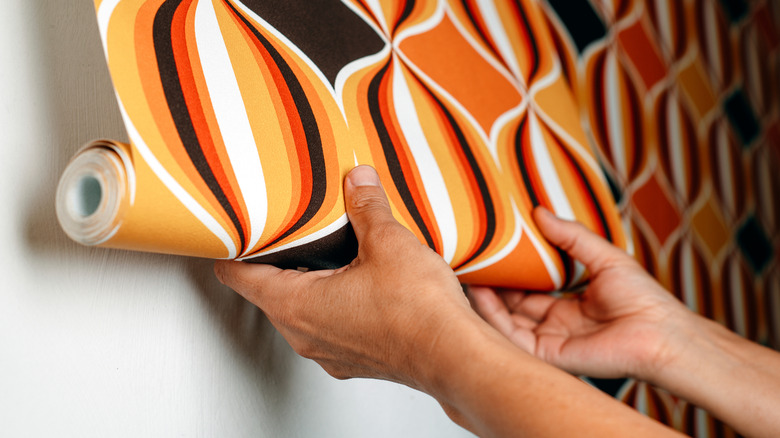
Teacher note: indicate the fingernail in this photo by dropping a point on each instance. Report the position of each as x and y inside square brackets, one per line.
[363, 176]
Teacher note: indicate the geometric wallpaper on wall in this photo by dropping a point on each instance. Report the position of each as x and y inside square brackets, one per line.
[680, 101]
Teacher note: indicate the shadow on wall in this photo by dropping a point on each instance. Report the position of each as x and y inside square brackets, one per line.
[81, 106]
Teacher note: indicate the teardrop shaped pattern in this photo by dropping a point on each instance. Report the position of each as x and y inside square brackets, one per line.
[616, 116]
[690, 278]
[727, 170]
[696, 422]
[756, 71]
[649, 401]
[739, 297]
[713, 32]
[670, 24]
[766, 185]
[643, 250]
[678, 147]
[680, 101]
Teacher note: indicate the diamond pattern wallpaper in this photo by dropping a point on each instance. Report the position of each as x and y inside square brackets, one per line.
[680, 100]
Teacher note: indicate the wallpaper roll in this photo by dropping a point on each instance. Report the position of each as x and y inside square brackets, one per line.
[244, 117]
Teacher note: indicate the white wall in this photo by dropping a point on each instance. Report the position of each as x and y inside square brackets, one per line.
[109, 343]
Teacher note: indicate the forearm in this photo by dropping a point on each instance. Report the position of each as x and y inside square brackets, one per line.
[735, 380]
[495, 389]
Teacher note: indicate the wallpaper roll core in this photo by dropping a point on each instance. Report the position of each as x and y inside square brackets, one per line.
[92, 195]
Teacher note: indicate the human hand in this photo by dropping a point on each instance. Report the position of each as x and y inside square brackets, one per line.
[381, 316]
[624, 324]
[398, 313]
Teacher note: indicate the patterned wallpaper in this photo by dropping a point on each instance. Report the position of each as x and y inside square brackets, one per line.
[680, 99]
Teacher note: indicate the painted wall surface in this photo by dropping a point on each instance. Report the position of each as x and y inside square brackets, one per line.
[98, 342]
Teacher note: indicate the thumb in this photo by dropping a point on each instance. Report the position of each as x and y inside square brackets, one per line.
[367, 205]
[579, 242]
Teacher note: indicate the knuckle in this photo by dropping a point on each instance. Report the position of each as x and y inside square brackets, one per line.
[370, 198]
[571, 241]
[303, 348]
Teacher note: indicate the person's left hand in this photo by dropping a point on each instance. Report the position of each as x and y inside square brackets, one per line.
[381, 316]
[623, 324]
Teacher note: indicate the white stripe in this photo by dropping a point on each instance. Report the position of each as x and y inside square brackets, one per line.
[298, 53]
[348, 70]
[552, 270]
[713, 41]
[432, 179]
[615, 114]
[546, 168]
[511, 245]
[641, 398]
[496, 29]
[724, 168]
[330, 229]
[178, 191]
[662, 11]
[583, 152]
[503, 119]
[689, 285]
[702, 423]
[103, 17]
[497, 65]
[676, 145]
[435, 20]
[232, 118]
[376, 7]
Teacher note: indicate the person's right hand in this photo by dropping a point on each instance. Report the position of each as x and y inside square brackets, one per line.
[623, 325]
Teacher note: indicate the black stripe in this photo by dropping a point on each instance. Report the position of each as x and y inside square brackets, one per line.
[310, 128]
[523, 167]
[591, 193]
[169, 77]
[479, 30]
[391, 156]
[490, 210]
[408, 7]
[534, 48]
[521, 164]
[602, 218]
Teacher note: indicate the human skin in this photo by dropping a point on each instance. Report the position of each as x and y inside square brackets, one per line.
[625, 324]
[398, 313]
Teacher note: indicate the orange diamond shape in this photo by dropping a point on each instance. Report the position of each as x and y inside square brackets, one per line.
[708, 225]
[696, 86]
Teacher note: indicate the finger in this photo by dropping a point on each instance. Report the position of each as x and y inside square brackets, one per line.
[579, 242]
[261, 284]
[367, 205]
[492, 309]
[532, 305]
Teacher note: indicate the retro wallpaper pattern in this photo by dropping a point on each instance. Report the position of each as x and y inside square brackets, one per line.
[473, 111]
[680, 99]
[244, 116]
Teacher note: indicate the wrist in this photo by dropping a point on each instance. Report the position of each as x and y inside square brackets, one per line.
[691, 346]
[671, 343]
